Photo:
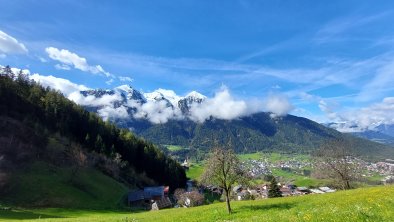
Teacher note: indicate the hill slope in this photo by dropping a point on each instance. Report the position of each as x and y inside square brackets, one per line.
[41, 130]
[366, 204]
[258, 132]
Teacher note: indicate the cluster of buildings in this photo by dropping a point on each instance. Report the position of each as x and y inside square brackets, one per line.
[243, 193]
[258, 168]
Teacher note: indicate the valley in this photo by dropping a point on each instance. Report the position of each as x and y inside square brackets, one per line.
[196, 111]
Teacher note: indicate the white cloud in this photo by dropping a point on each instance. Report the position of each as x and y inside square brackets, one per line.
[71, 59]
[366, 118]
[91, 100]
[278, 105]
[157, 111]
[63, 85]
[113, 113]
[125, 79]
[9, 45]
[62, 67]
[221, 106]
[109, 82]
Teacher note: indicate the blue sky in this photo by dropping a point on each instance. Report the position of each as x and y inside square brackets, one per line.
[331, 59]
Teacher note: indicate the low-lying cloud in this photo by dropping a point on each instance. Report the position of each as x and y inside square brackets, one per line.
[367, 118]
[278, 105]
[221, 106]
[158, 111]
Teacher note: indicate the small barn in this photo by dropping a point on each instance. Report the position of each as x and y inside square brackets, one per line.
[149, 195]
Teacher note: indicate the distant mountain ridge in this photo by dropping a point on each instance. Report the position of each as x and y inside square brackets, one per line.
[383, 133]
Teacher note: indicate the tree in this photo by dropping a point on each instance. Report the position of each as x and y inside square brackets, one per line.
[335, 160]
[274, 190]
[78, 159]
[223, 169]
[188, 199]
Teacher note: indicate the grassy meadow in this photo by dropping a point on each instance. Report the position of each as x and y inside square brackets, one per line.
[364, 204]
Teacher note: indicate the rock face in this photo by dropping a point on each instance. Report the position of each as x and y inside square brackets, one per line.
[186, 103]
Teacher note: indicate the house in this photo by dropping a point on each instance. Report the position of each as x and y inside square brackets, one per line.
[148, 195]
[285, 191]
[243, 195]
[185, 164]
[326, 189]
[303, 190]
[237, 189]
[214, 189]
[316, 191]
[156, 193]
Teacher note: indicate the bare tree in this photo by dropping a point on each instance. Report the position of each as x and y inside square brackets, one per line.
[189, 199]
[335, 160]
[78, 158]
[223, 169]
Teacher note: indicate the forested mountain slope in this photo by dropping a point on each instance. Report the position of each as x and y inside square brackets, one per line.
[258, 132]
[42, 130]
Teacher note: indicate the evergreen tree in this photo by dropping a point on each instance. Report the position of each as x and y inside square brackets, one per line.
[274, 190]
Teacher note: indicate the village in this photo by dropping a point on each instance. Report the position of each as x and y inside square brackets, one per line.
[156, 198]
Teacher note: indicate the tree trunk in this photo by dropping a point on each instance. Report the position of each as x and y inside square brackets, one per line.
[347, 185]
[228, 202]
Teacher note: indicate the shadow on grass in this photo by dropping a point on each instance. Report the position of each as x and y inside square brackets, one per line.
[21, 214]
[282, 206]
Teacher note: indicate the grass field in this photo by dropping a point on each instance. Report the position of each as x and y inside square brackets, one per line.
[366, 204]
[195, 171]
[43, 185]
[173, 148]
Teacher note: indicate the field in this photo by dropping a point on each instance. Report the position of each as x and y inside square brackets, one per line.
[43, 185]
[195, 171]
[173, 148]
[364, 204]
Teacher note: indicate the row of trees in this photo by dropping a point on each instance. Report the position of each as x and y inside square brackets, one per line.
[26, 100]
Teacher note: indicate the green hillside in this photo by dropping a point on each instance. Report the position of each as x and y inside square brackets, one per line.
[366, 204]
[45, 185]
[53, 153]
[255, 133]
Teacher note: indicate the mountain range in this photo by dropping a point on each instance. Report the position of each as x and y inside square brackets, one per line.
[165, 118]
[383, 133]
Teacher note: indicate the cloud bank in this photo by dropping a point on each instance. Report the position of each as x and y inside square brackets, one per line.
[367, 118]
[161, 105]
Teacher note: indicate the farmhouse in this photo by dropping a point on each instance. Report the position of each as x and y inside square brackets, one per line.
[151, 197]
